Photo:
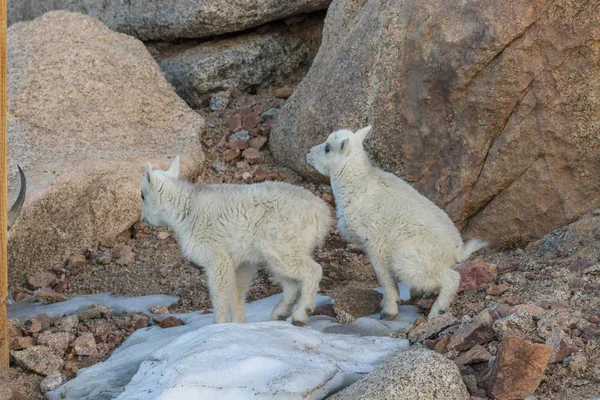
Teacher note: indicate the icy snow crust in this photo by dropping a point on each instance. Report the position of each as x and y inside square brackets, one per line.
[256, 360]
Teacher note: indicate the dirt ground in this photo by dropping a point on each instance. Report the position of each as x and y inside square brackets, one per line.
[549, 272]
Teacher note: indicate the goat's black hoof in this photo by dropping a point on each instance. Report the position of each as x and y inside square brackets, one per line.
[298, 323]
[281, 318]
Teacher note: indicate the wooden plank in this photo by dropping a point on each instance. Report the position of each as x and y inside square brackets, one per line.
[4, 360]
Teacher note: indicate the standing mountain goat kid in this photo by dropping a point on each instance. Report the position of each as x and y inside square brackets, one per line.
[228, 229]
[406, 237]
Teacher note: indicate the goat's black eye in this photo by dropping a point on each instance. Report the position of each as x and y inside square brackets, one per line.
[326, 148]
[142, 196]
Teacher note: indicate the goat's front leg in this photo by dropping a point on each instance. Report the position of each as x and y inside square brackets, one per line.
[391, 296]
[221, 284]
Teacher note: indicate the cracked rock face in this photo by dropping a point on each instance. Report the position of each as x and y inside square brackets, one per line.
[487, 108]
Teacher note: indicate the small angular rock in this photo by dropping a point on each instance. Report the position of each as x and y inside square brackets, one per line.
[95, 311]
[520, 324]
[123, 255]
[532, 309]
[31, 326]
[477, 332]
[52, 381]
[220, 100]
[562, 347]
[39, 359]
[68, 324]
[258, 142]
[85, 345]
[57, 341]
[517, 370]
[253, 156]
[171, 322]
[497, 290]
[431, 327]
[325, 309]
[21, 342]
[476, 354]
[242, 135]
[354, 302]
[475, 274]
[40, 280]
[231, 155]
[49, 296]
[270, 114]
[267, 175]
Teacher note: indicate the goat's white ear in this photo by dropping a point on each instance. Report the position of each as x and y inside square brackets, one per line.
[345, 146]
[148, 173]
[174, 169]
[361, 134]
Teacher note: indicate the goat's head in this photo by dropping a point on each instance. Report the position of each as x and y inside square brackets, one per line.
[152, 207]
[15, 210]
[339, 147]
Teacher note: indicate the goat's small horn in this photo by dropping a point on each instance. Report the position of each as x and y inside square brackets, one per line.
[15, 210]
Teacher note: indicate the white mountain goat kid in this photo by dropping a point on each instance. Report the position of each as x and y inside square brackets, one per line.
[228, 229]
[406, 237]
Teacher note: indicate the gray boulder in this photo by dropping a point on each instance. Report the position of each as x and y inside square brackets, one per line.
[411, 374]
[169, 20]
[243, 62]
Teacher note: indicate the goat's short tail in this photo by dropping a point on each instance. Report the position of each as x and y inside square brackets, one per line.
[468, 248]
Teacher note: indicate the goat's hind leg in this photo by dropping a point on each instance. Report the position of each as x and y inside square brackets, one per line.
[283, 309]
[243, 278]
[449, 283]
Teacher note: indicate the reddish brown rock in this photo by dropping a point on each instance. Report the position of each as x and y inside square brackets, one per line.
[253, 156]
[235, 123]
[68, 324]
[473, 102]
[497, 290]
[262, 175]
[85, 345]
[474, 355]
[61, 285]
[517, 370]
[476, 274]
[40, 280]
[123, 255]
[478, 332]
[530, 308]
[250, 121]
[440, 346]
[258, 142]
[561, 345]
[431, 327]
[231, 155]
[171, 322]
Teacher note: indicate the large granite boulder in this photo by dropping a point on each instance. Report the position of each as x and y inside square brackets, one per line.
[174, 19]
[87, 108]
[488, 108]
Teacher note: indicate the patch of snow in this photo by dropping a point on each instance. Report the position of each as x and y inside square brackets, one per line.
[274, 360]
[119, 304]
